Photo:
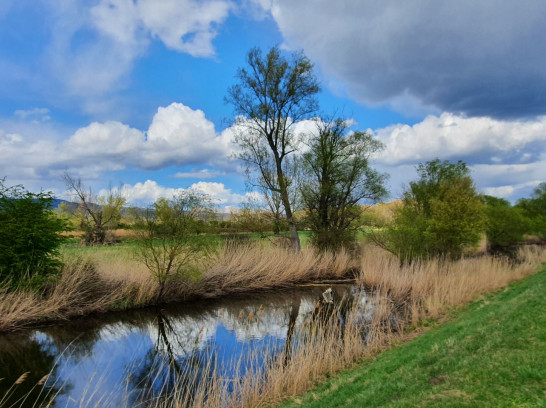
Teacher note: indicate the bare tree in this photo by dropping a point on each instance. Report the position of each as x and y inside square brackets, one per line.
[272, 94]
[98, 213]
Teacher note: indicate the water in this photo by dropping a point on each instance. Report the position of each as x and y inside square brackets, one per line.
[117, 359]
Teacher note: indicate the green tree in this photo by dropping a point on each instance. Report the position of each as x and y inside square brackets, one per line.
[272, 94]
[97, 214]
[535, 209]
[30, 235]
[505, 225]
[441, 214]
[169, 239]
[337, 176]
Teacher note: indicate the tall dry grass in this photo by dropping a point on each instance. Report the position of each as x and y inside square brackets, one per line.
[79, 290]
[426, 288]
[410, 292]
[99, 281]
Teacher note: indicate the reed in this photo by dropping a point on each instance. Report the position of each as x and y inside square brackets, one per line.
[426, 288]
[423, 290]
[322, 348]
[111, 279]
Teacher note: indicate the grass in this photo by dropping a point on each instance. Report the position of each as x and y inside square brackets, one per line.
[110, 278]
[492, 354]
[425, 294]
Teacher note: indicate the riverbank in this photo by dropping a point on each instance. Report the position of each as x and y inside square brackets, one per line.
[492, 353]
[401, 303]
[101, 279]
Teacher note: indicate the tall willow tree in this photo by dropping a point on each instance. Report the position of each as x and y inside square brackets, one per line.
[337, 177]
[272, 94]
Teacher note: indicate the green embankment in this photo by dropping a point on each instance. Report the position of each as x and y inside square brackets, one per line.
[492, 354]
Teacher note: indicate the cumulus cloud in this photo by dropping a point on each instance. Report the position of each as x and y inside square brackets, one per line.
[450, 136]
[507, 158]
[479, 58]
[182, 25]
[177, 136]
[149, 191]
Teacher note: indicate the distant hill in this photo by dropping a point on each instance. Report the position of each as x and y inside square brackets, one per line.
[57, 201]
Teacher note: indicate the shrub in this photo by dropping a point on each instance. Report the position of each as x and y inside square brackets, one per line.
[441, 214]
[505, 225]
[170, 239]
[29, 236]
[535, 209]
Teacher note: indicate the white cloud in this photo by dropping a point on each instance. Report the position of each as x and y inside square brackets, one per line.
[177, 136]
[183, 25]
[89, 48]
[504, 155]
[149, 191]
[450, 136]
[507, 158]
[38, 114]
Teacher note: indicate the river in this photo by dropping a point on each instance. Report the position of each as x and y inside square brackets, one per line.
[120, 359]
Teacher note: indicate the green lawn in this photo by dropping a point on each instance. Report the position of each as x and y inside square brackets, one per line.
[492, 354]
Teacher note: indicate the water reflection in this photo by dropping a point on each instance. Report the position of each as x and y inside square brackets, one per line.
[121, 359]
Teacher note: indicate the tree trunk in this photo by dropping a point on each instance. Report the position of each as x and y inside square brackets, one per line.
[294, 237]
[294, 312]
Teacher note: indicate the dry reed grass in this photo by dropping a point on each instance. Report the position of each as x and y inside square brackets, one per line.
[426, 288]
[78, 291]
[411, 292]
[108, 280]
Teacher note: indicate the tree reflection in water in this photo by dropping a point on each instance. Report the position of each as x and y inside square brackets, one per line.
[19, 355]
[124, 359]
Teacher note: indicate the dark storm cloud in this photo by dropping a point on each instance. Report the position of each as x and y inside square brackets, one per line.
[480, 58]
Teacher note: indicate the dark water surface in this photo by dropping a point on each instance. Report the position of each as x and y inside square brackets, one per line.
[117, 359]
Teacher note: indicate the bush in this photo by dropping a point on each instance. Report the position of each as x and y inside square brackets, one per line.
[170, 243]
[29, 236]
[441, 214]
[535, 209]
[505, 225]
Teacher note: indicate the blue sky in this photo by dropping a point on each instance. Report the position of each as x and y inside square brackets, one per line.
[131, 92]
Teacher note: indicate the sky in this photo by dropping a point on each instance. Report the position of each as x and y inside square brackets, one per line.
[130, 93]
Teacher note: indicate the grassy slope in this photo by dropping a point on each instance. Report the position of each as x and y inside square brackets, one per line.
[492, 354]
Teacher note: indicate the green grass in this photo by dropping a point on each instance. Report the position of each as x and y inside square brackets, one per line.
[493, 354]
[72, 246]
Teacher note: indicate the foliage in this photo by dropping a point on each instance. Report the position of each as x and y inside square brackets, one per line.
[535, 209]
[97, 213]
[337, 177]
[253, 220]
[29, 236]
[441, 214]
[271, 95]
[379, 215]
[169, 240]
[505, 225]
